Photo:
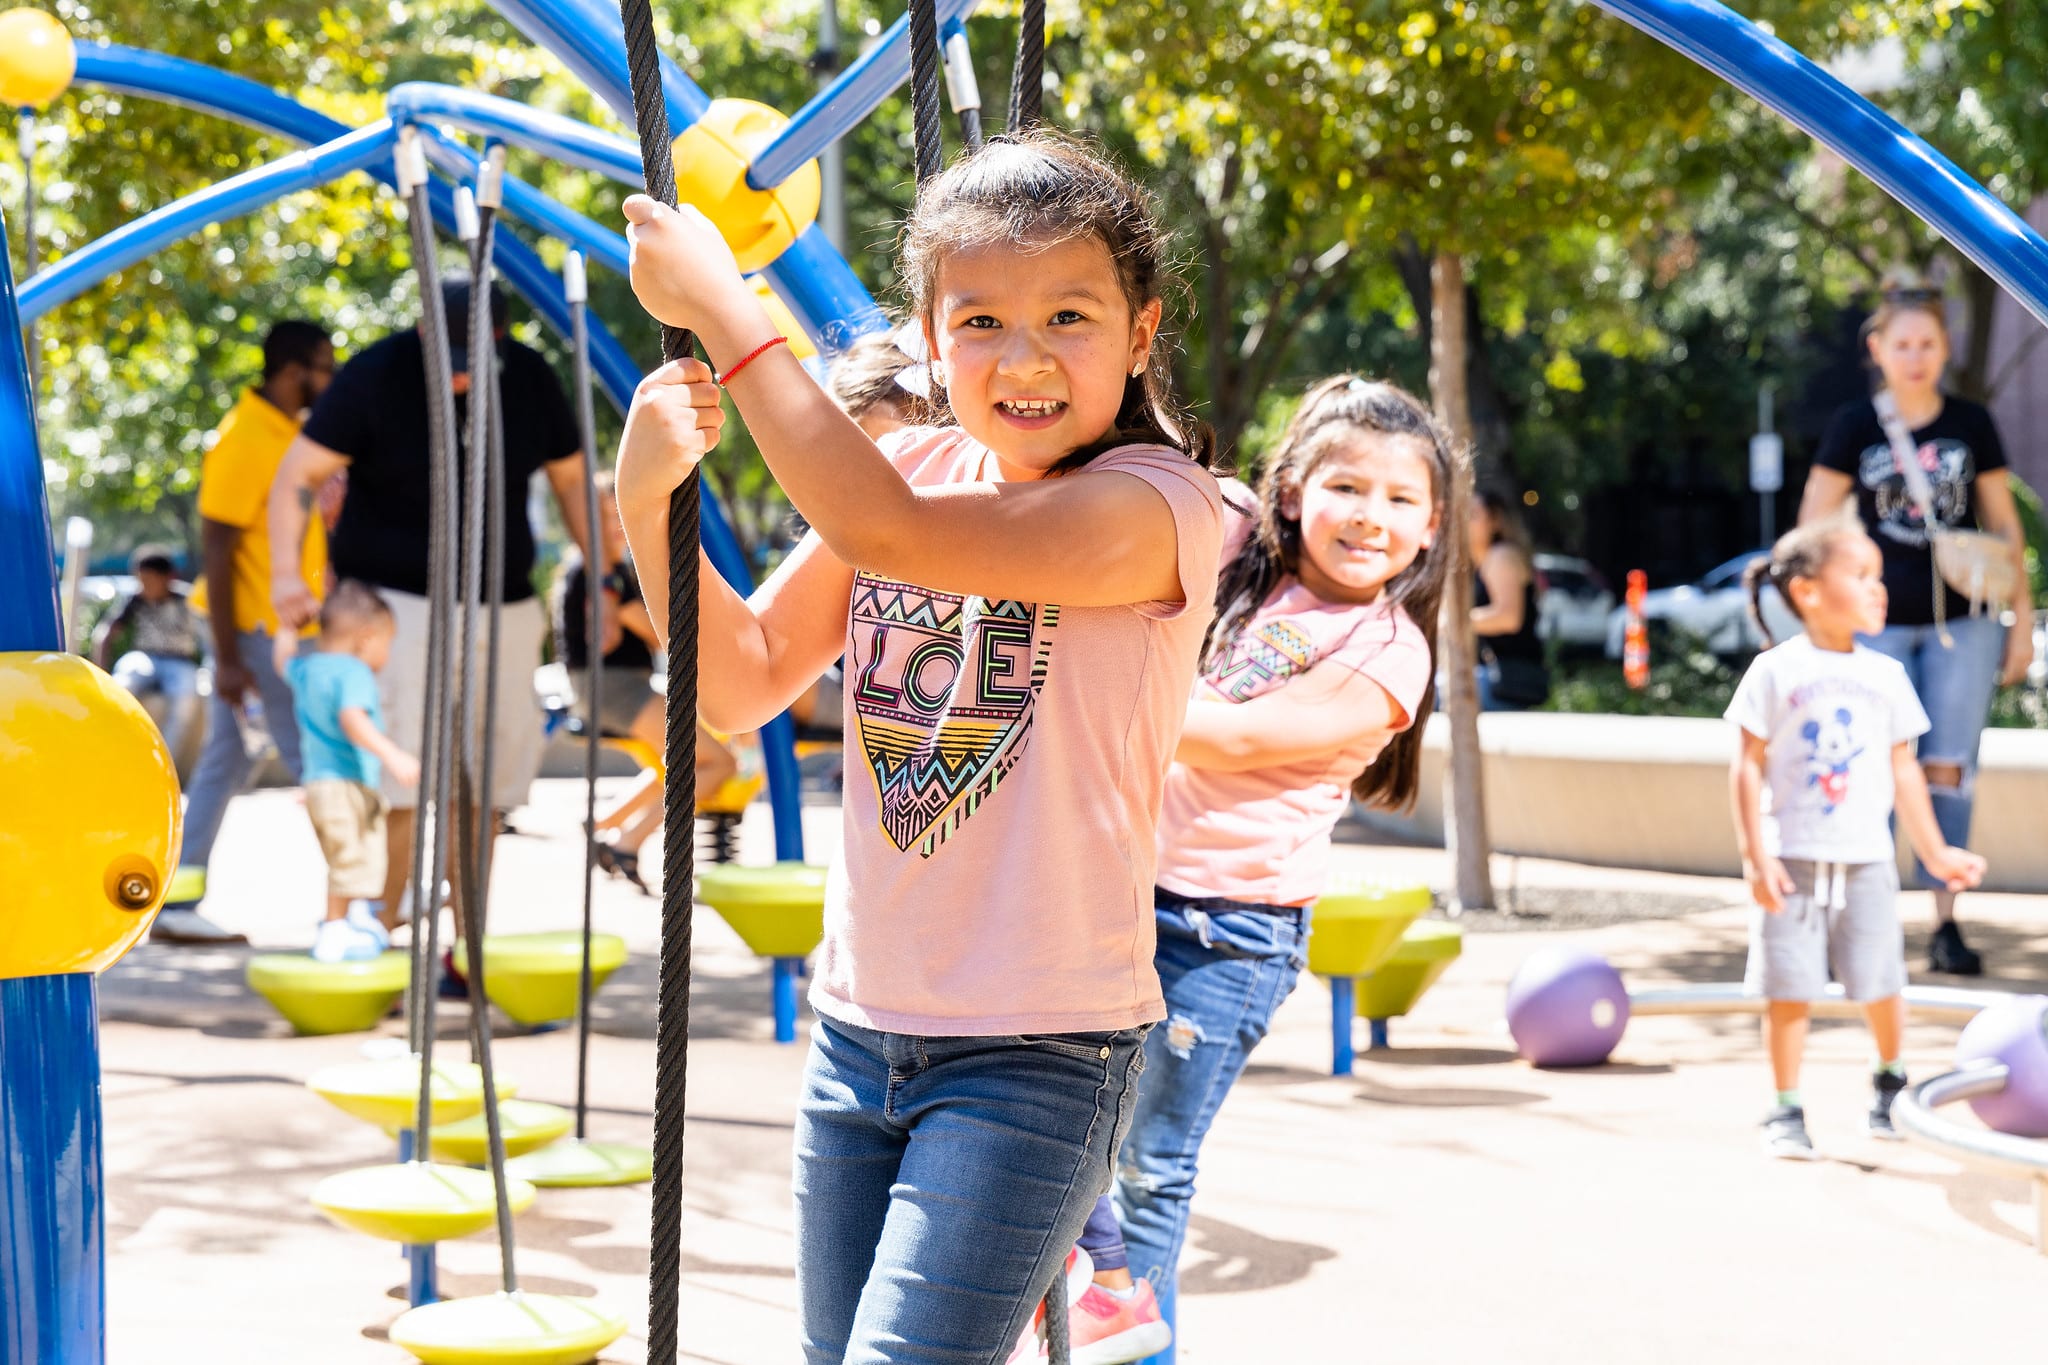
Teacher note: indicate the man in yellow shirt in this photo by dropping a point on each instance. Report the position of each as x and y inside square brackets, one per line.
[249, 696]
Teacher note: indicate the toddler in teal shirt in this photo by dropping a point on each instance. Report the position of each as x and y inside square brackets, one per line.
[341, 745]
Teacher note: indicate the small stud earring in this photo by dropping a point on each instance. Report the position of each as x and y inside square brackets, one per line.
[1137, 369]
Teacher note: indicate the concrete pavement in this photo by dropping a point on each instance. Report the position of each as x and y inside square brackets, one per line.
[1445, 1203]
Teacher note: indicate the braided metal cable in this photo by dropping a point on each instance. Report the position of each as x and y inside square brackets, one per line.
[1057, 1335]
[593, 683]
[924, 88]
[679, 807]
[970, 130]
[430, 849]
[1027, 77]
[482, 540]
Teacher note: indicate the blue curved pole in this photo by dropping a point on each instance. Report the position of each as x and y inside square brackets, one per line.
[841, 106]
[563, 139]
[230, 198]
[1898, 162]
[52, 1174]
[591, 41]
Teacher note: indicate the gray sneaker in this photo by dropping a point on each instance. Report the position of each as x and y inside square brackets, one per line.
[1785, 1134]
[1885, 1088]
[191, 927]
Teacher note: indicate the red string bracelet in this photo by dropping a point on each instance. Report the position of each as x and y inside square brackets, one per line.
[748, 359]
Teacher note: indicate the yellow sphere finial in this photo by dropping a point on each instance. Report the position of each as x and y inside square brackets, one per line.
[37, 60]
[712, 157]
[89, 822]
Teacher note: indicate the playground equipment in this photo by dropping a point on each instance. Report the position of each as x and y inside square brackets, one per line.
[1426, 951]
[329, 997]
[1566, 1007]
[50, 1300]
[778, 912]
[1353, 930]
[536, 979]
[2002, 1071]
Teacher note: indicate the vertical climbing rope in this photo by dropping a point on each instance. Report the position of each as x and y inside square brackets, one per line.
[429, 848]
[924, 88]
[576, 288]
[679, 807]
[483, 522]
[1027, 77]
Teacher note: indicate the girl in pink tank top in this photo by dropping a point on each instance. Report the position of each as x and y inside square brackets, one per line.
[1315, 683]
[1020, 592]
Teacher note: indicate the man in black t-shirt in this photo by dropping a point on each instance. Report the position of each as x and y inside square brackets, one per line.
[372, 421]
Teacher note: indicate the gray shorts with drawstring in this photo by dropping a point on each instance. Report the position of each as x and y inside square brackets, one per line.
[1844, 915]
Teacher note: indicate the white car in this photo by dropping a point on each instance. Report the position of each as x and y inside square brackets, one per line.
[1572, 602]
[1714, 611]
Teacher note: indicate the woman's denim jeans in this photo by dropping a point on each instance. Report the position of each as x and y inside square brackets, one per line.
[1955, 684]
[940, 1182]
[1225, 972]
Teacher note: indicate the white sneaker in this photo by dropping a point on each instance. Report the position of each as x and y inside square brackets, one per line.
[363, 914]
[340, 940]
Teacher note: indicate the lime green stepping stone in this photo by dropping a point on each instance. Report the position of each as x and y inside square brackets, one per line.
[575, 1163]
[416, 1202]
[330, 997]
[524, 1124]
[1425, 952]
[1354, 928]
[508, 1329]
[778, 910]
[533, 977]
[387, 1092]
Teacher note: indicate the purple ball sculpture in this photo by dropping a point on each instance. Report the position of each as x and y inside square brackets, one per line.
[2014, 1032]
[1566, 1007]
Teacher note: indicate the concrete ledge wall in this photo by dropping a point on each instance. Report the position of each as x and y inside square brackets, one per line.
[1635, 791]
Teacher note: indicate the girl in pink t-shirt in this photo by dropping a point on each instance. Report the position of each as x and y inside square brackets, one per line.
[1314, 687]
[1020, 595]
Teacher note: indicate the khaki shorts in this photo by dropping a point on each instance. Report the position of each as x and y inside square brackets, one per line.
[517, 731]
[348, 819]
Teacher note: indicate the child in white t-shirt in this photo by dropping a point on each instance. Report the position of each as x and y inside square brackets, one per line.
[1827, 750]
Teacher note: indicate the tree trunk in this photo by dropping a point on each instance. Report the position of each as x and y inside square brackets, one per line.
[1465, 792]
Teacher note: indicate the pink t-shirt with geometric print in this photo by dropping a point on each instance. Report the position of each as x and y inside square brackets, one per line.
[1263, 836]
[1004, 765]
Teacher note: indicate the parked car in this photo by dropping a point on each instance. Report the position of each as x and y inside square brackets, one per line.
[1715, 611]
[1572, 602]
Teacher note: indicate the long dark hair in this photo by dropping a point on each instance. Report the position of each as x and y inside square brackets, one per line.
[1037, 189]
[1343, 406]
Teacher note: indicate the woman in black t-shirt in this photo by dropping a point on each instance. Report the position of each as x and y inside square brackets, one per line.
[1965, 463]
[1512, 673]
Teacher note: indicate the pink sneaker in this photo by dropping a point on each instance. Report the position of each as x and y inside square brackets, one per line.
[1108, 1330]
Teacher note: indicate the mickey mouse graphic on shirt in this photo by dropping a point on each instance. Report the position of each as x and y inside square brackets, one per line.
[1831, 748]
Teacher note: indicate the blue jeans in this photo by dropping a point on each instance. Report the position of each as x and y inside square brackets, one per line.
[940, 1181]
[174, 679]
[1225, 972]
[1955, 684]
[224, 767]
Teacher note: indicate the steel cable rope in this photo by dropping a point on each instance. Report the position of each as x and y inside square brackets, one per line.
[483, 520]
[576, 288]
[679, 807]
[1027, 77]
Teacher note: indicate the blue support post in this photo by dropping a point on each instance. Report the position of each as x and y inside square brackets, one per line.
[53, 1301]
[1343, 1000]
[1379, 1035]
[787, 970]
[53, 1297]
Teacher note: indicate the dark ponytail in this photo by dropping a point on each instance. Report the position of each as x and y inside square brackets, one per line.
[1800, 553]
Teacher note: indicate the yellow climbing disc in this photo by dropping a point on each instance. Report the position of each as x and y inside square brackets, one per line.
[416, 1202]
[89, 821]
[508, 1329]
[524, 1124]
[387, 1093]
[37, 60]
[574, 1163]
